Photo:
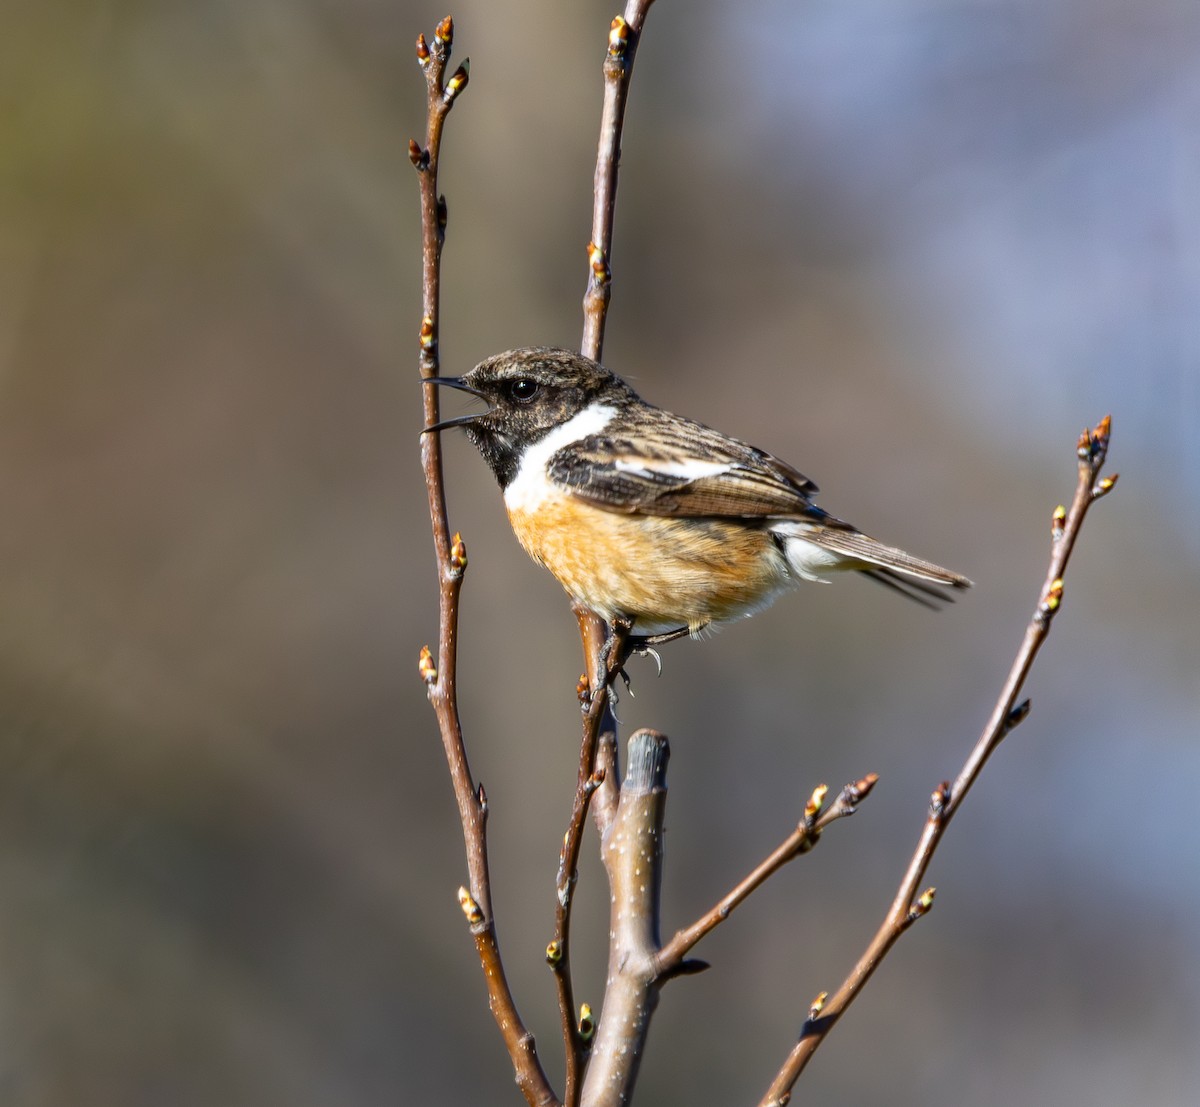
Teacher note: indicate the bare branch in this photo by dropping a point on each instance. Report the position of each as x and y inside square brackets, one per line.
[908, 906]
[801, 840]
[440, 676]
[623, 38]
[632, 854]
[597, 720]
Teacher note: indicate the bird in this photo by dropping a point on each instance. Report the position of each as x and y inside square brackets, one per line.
[651, 520]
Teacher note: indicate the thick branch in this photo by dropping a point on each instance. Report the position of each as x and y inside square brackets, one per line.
[907, 907]
[632, 852]
[440, 675]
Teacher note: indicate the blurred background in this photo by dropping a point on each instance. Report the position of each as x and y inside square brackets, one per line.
[911, 246]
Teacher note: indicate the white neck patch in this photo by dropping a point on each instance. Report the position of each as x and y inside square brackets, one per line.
[530, 487]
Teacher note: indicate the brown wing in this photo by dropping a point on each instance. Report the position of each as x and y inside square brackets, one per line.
[665, 465]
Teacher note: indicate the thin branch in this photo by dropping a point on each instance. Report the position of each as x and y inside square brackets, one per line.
[806, 835]
[623, 38]
[907, 907]
[624, 35]
[440, 676]
[598, 721]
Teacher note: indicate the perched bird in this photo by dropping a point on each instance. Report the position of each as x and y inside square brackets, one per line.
[651, 518]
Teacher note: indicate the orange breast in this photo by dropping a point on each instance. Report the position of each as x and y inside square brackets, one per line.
[664, 573]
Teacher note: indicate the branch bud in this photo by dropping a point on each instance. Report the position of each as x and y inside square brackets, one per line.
[419, 157]
[1017, 716]
[422, 51]
[922, 905]
[860, 789]
[582, 690]
[599, 263]
[458, 555]
[587, 1025]
[428, 334]
[1093, 444]
[470, 907]
[426, 666]
[1104, 486]
[939, 799]
[818, 1005]
[1052, 599]
[443, 215]
[458, 81]
[1057, 522]
[618, 38]
[815, 801]
[444, 35]
[554, 952]
[481, 799]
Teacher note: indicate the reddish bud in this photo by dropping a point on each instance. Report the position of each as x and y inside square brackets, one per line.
[426, 666]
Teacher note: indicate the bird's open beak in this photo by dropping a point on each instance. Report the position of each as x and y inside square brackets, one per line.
[458, 420]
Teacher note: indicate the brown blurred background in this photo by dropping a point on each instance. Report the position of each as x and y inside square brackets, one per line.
[912, 246]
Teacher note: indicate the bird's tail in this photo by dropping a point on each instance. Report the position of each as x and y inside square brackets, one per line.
[814, 549]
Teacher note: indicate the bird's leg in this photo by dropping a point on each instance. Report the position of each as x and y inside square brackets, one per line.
[644, 643]
[615, 651]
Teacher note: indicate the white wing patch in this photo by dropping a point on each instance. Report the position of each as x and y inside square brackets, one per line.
[530, 486]
[682, 467]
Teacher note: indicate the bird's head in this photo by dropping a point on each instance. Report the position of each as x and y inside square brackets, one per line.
[529, 392]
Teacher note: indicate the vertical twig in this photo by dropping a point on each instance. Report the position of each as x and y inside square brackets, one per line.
[623, 38]
[440, 675]
[907, 907]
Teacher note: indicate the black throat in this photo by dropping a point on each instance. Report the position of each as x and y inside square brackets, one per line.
[499, 451]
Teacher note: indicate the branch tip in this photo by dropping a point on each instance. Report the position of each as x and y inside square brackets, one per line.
[481, 799]
[1093, 443]
[863, 787]
[426, 666]
[423, 54]
[470, 908]
[444, 35]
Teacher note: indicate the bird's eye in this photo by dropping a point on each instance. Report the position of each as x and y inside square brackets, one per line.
[523, 389]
